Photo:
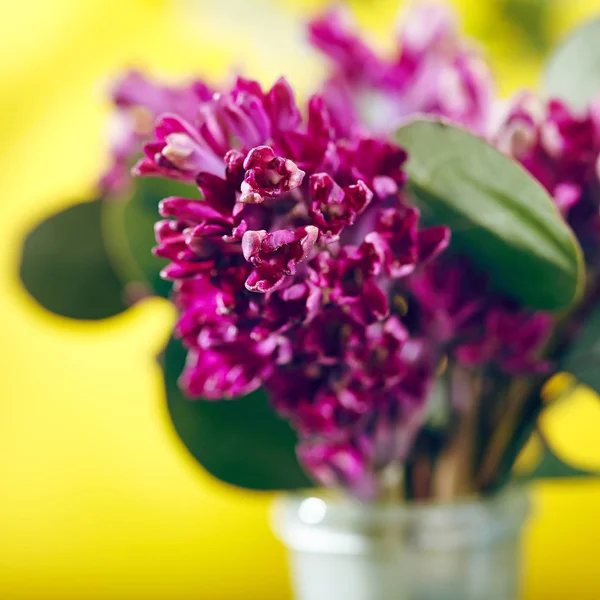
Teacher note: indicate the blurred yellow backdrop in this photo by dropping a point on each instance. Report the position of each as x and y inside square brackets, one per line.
[98, 499]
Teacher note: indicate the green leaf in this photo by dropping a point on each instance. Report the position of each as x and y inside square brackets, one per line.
[499, 215]
[530, 19]
[552, 467]
[129, 229]
[572, 72]
[582, 358]
[66, 268]
[241, 442]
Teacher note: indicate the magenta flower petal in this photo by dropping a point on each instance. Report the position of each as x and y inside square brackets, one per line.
[245, 117]
[336, 464]
[432, 242]
[138, 102]
[218, 373]
[431, 71]
[334, 208]
[332, 34]
[179, 152]
[268, 176]
[276, 255]
[282, 107]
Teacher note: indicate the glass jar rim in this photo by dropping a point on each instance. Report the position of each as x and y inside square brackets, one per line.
[350, 506]
[308, 521]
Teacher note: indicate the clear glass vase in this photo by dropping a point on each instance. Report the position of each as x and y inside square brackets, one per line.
[343, 549]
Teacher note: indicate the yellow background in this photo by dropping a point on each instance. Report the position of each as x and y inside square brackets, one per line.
[97, 497]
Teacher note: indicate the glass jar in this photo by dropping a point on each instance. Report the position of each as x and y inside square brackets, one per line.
[344, 549]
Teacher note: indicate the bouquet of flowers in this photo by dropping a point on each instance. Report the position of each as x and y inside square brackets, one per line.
[374, 286]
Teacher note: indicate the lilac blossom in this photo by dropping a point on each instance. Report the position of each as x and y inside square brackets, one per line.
[462, 316]
[431, 70]
[138, 101]
[304, 268]
[560, 149]
[282, 272]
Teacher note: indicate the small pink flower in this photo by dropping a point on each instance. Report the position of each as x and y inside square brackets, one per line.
[226, 371]
[511, 339]
[432, 70]
[334, 208]
[276, 255]
[180, 152]
[138, 102]
[557, 147]
[268, 176]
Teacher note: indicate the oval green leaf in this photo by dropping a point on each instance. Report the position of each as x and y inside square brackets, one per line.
[241, 442]
[572, 72]
[582, 358]
[499, 215]
[66, 268]
[129, 230]
[551, 466]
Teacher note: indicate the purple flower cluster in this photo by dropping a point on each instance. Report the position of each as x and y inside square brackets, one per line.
[304, 270]
[432, 70]
[561, 150]
[283, 271]
[459, 314]
[138, 101]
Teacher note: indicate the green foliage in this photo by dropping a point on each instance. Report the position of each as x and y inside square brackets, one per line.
[66, 268]
[582, 358]
[530, 18]
[500, 216]
[129, 230]
[241, 442]
[572, 72]
[553, 467]
[550, 465]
